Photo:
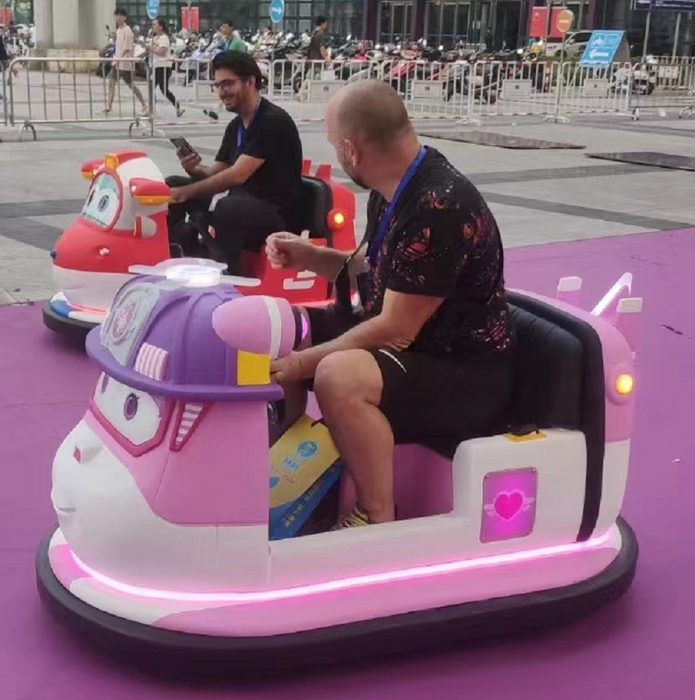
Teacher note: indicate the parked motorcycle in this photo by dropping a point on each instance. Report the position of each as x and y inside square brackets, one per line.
[639, 79]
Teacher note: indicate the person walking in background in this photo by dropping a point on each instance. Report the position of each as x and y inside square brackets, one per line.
[317, 52]
[160, 46]
[232, 40]
[4, 64]
[125, 45]
[317, 45]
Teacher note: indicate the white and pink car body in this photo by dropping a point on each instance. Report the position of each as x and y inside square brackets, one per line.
[124, 219]
[124, 223]
[161, 491]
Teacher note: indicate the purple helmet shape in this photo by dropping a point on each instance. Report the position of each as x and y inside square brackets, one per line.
[183, 330]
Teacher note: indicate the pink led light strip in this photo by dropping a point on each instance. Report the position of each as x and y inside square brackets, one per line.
[346, 583]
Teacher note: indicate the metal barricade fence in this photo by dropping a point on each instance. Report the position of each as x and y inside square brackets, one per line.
[60, 90]
[459, 90]
[662, 88]
[431, 91]
[191, 84]
[304, 88]
[589, 90]
[543, 88]
[496, 88]
[64, 90]
[301, 87]
[4, 97]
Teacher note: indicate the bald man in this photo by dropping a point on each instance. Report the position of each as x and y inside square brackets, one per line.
[429, 354]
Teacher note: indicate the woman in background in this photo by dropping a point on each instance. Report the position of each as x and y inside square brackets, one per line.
[160, 45]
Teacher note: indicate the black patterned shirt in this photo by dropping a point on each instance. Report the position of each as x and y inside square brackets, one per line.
[442, 241]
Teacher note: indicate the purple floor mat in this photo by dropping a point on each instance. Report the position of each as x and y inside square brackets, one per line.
[637, 649]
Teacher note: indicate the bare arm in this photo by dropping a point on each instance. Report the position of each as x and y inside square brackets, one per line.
[327, 262]
[395, 328]
[221, 178]
[202, 172]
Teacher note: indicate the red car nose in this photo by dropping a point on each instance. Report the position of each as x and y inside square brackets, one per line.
[84, 247]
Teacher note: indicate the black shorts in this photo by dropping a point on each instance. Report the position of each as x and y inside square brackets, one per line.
[429, 400]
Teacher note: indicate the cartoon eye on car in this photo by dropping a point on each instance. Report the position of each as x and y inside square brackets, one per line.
[124, 223]
[162, 550]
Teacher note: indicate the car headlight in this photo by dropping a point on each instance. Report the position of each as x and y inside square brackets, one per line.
[624, 384]
[620, 385]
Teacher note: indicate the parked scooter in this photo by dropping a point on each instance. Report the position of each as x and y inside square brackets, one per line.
[639, 79]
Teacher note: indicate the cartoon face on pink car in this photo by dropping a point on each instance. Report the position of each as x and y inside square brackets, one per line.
[157, 466]
[123, 220]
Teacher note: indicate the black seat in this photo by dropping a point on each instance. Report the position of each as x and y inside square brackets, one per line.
[312, 209]
[547, 374]
[559, 382]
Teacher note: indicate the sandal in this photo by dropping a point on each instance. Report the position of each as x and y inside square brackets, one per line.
[356, 518]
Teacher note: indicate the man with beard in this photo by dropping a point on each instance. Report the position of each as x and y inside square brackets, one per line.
[259, 164]
[429, 354]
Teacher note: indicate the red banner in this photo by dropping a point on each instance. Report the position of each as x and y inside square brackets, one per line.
[5, 16]
[190, 20]
[539, 23]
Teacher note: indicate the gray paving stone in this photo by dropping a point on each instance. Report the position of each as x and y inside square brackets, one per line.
[644, 222]
[30, 232]
[545, 196]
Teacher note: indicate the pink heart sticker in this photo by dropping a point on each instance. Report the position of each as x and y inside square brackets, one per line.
[508, 504]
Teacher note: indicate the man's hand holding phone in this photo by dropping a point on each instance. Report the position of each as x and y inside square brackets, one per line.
[190, 159]
[190, 162]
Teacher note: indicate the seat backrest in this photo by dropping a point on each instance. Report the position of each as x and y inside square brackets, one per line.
[548, 374]
[559, 377]
[311, 212]
[561, 383]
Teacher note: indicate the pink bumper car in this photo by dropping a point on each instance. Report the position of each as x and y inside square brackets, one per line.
[162, 553]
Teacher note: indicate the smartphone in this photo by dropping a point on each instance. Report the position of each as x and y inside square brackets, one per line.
[183, 146]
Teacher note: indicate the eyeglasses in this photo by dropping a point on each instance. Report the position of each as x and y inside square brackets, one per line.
[226, 84]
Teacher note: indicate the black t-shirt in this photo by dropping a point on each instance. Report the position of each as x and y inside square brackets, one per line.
[273, 137]
[318, 41]
[443, 241]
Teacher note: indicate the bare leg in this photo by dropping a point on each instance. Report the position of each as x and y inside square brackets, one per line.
[348, 387]
[129, 80]
[111, 90]
[138, 94]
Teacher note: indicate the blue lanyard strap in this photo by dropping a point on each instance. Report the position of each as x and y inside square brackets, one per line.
[241, 132]
[378, 240]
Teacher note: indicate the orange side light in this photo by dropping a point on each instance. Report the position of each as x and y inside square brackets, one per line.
[336, 220]
[112, 161]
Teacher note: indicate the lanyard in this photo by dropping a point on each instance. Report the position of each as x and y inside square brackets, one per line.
[241, 133]
[384, 222]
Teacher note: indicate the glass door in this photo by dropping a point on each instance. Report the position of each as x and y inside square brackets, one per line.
[396, 22]
[447, 23]
[506, 26]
